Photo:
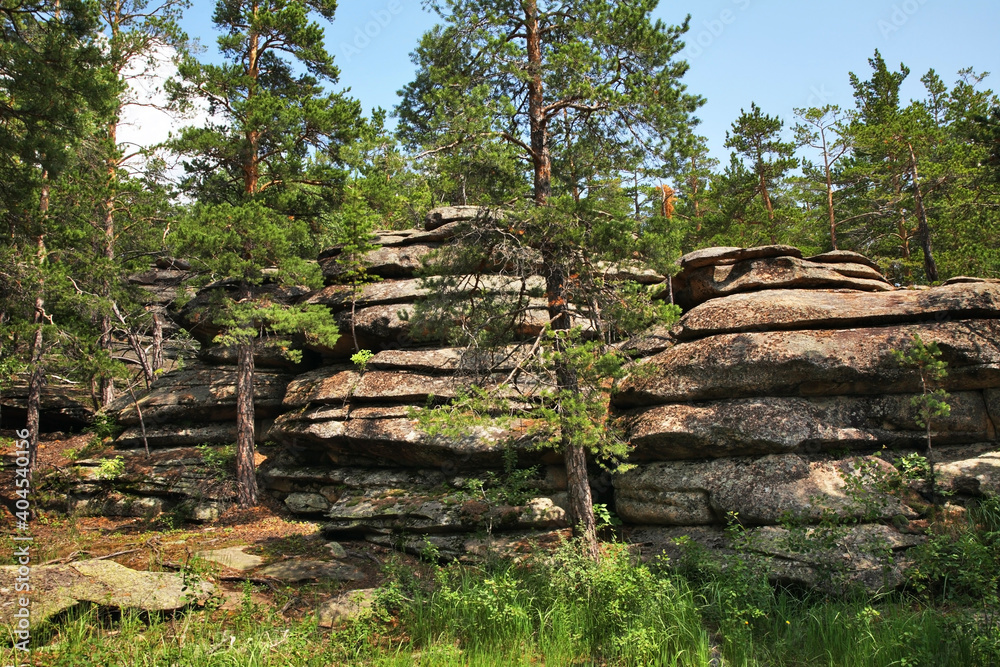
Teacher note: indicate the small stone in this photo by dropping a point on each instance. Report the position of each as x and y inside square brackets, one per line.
[336, 550]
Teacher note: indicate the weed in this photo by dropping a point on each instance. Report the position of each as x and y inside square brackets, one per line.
[110, 469]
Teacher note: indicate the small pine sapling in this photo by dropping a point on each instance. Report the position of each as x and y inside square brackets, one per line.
[931, 403]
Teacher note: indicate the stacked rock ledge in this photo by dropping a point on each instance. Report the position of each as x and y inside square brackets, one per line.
[776, 387]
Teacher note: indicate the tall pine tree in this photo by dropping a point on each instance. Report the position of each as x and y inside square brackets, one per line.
[583, 93]
[261, 193]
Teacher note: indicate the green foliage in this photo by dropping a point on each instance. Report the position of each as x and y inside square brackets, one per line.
[539, 415]
[931, 403]
[960, 562]
[558, 608]
[104, 426]
[220, 459]
[361, 358]
[110, 469]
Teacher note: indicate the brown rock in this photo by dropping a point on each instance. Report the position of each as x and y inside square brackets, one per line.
[782, 310]
[815, 363]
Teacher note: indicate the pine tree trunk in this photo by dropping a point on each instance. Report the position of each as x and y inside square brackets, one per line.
[104, 343]
[930, 266]
[581, 506]
[246, 472]
[106, 340]
[157, 360]
[829, 194]
[35, 383]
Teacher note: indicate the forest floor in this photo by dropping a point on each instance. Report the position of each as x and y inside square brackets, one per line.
[154, 544]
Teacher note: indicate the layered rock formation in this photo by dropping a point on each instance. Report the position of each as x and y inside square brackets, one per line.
[780, 405]
[776, 399]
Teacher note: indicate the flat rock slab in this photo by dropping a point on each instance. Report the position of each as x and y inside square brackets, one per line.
[56, 588]
[200, 393]
[844, 257]
[387, 261]
[762, 491]
[870, 556]
[432, 511]
[235, 558]
[784, 310]
[816, 363]
[771, 425]
[401, 442]
[698, 285]
[291, 571]
[346, 607]
[383, 293]
[970, 471]
[727, 255]
[444, 214]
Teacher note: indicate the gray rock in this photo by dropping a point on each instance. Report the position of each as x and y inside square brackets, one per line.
[836, 558]
[444, 214]
[761, 491]
[514, 545]
[740, 427]
[430, 511]
[234, 558]
[724, 256]
[336, 550]
[56, 588]
[307, 503]
[782, 310]
[844, 257]
[698, 285]
[201, 394]
[382, 293]
[347, 607]
[116, 505]
[815, 363]
[294, 570]
[180, 435]
[969, 471]
[386, 262]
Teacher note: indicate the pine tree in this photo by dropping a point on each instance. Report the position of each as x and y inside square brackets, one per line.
[583, 92]
[51, 91]
[260, 187]
[823, 129]
[760, 165]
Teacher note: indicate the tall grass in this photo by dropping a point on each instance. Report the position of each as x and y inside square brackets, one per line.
[558, 608]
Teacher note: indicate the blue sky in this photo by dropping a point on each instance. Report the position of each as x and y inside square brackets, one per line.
[779, 54]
